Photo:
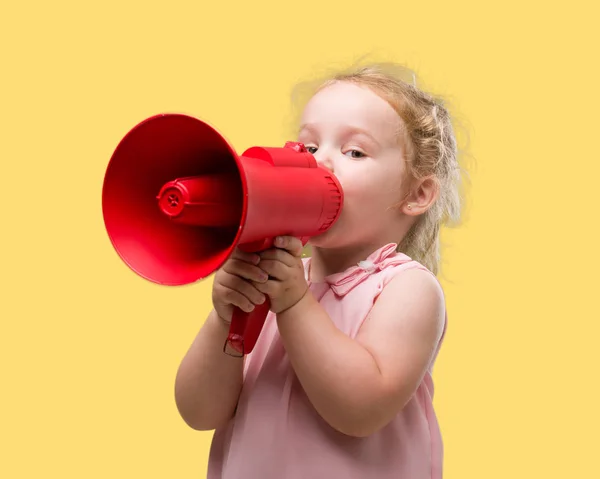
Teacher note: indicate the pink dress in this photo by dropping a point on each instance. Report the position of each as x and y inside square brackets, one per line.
[277, 434]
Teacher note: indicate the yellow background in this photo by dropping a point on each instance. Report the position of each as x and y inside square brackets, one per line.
[89, 350]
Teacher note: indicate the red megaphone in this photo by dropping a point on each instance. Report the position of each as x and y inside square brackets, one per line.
[177, 200]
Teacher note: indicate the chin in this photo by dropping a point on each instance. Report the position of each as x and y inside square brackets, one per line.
[321, 241]
[317, 241]
[332, 238]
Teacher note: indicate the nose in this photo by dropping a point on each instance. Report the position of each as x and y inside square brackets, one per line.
[324, 159]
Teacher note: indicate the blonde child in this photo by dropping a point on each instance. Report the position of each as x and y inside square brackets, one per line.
[339, 384]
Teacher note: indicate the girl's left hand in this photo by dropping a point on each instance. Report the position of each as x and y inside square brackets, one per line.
[287, 284]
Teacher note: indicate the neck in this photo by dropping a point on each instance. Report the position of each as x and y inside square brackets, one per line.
[328, 261]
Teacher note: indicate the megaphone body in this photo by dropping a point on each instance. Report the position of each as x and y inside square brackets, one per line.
[177, 200]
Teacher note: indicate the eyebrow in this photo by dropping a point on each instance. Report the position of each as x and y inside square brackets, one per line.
[307, 126]
[352, 130]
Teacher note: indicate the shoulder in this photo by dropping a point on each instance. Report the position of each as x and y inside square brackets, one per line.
[411, 278]
[412, 299]
[414, 279]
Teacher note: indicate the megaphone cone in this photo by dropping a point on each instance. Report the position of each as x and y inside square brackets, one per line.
[177, 200]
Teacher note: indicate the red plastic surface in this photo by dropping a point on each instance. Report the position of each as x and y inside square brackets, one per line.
[177, 200]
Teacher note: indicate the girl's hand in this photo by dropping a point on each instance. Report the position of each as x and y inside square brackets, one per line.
[287, 284]
[234, 285]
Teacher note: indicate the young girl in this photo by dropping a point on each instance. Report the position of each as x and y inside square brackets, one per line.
[339, 383]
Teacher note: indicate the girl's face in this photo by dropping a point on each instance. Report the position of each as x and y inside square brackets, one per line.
[354, 133]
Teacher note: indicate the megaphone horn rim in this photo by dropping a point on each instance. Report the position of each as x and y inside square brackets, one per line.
[224, 146]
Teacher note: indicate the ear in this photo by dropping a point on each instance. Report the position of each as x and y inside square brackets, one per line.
[422, 196]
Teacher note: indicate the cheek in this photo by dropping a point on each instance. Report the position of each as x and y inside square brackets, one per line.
[371, 189]
[358, 181]
[361, 205]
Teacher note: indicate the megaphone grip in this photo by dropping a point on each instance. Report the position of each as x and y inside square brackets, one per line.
[245, 329]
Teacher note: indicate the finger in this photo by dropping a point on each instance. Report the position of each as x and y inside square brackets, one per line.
[236, 299]
[245, 270]
[270, 288]
[252, 258]
[275, 268]
[243, 287]
[276, 254]
[291, 244]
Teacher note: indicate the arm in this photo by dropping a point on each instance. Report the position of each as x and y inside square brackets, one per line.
[208, 382]
[359, 385]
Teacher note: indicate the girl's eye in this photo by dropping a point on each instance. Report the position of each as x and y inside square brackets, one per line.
[311, 149]
[356, 154]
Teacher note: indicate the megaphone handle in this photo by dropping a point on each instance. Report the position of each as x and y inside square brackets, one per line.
[245, 329]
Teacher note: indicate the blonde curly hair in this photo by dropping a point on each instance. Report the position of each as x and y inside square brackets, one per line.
[431, 145]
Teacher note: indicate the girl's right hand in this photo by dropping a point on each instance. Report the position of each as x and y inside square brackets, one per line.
[232, 285]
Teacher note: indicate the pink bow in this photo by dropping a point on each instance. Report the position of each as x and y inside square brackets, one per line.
[342, 283]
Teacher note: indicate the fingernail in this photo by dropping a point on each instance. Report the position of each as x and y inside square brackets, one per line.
[279, 241]
[263, 276]
[256, 259]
